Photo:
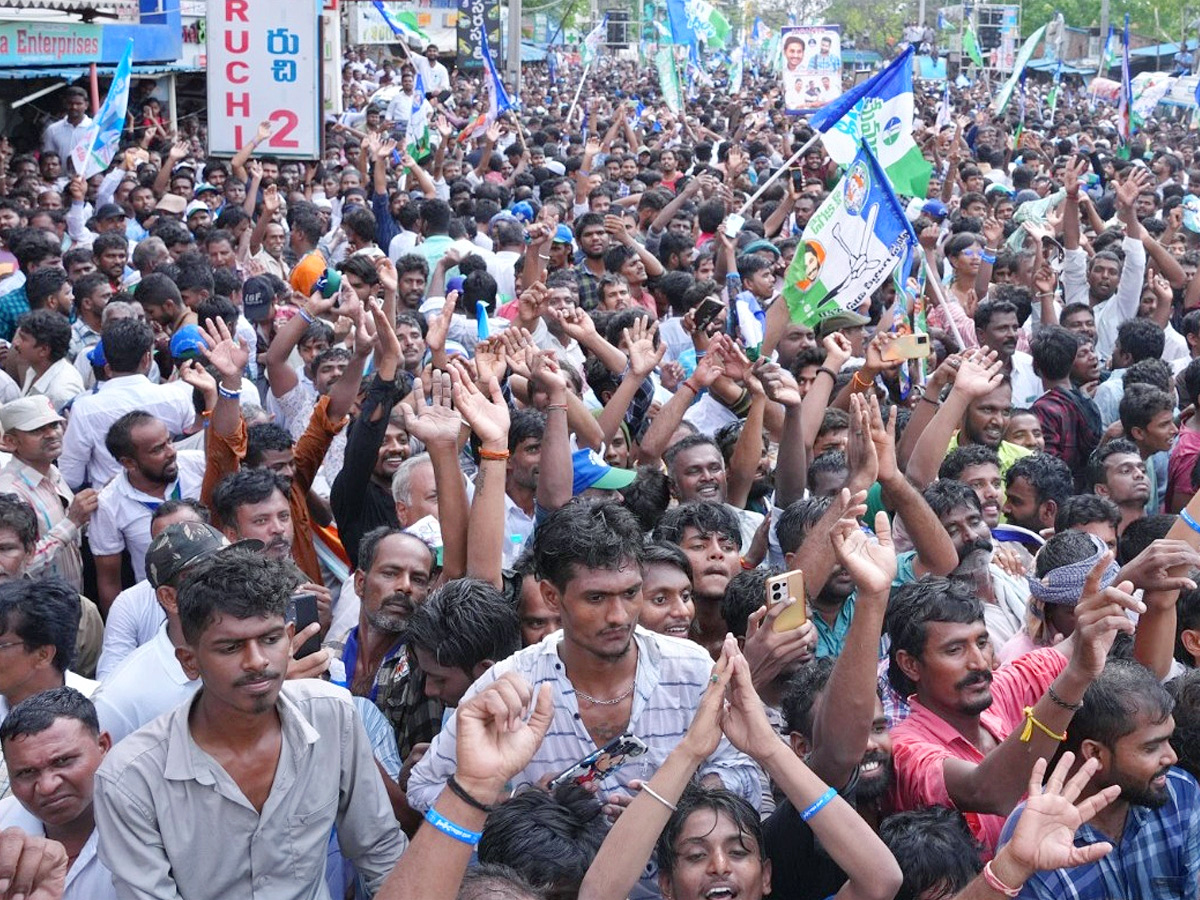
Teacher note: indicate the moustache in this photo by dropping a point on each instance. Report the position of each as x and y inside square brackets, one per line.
[400, 599]
[981, 677]
[255, 679]
[983, 544]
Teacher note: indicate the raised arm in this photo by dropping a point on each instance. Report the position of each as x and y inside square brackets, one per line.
[555, 478]
[791, 465]
[644, 358]
[488, 417]
[238, 163]
[654, 441]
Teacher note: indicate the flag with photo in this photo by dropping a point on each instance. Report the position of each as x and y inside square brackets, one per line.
[404, 24]
[98, 142]
[416, 138]
[851, 244]
[880, 112]
[707, 22]
[590, 48]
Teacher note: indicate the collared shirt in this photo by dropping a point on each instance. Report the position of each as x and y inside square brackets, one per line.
[832, 638]
[924, 741]
[518, 528]
[671, 677]
[1108, 397]
[82, 338]
[61, 383]
[1069, 423]
[57, 552]
[166, 810]
[87, 878]
[433, 248]
[570, 353]
[85, 459]
[149, 682]
[1121, 306]
[122, 517]
[61, 137]
[13, 305]
[1158, 855]
[1026, 384]
[133, 619]
[589, 287]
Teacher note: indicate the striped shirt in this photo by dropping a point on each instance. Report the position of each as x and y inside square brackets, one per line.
[57, 552]
[672, 675]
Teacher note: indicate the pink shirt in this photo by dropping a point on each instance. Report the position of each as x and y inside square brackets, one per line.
[1180, 464]
[923, 741]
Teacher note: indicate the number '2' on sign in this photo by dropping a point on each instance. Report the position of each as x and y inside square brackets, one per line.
[283, 123]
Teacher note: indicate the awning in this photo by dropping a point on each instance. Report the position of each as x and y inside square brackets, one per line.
[70, 74]
[75, 6]
[1157, 50]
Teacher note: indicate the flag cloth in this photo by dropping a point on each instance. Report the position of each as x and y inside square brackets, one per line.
[404, 24]
[1053, 100]
[416, 138]
[706, 22]
[98, 144]
[668, 79]
[942, 22]
[971, 45]
[591, 43]
[735, 70]
[498, 101]
[851, 244]
[681, 26]
[945, 110]
[1108, 58]
[1023, 56]
[1125, 103]
[880, 112]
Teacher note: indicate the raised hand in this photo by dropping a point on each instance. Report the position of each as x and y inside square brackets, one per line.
[744, 721]
[837, 350]
[439, 324]
[576, 323]
[264, 130]
[777, 382]
[707, 371]
[545, 372]
[486, 413]
[271, 200]
[979, 374]
[435, 424]
[861, 457]
[644, 357]
[491, 360]
[254, 169]
[226, 355]
[704, 734]
[1099, 615]
[386, 343]
[871, 563]
[1044, 838]
[386, 270]
[31, 867]
[499, 730]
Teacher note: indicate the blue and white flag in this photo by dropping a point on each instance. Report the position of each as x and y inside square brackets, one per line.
[404, 25]
[498, 101]
[880, 112]
[851, 244]
[98, 145]
[681, 26]
[592, 41]
[735, 69]
[416, 138]
[1125, 103]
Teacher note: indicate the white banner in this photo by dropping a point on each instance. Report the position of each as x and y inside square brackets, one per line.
[264, 65]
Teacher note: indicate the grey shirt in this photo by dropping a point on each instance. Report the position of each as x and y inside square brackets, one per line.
[173, 823]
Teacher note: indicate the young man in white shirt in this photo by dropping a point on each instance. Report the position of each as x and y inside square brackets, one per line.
[42, 340]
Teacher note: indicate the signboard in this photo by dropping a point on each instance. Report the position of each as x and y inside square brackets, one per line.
[473, 17]
[812, 66]
[48, 43]
[264, 65]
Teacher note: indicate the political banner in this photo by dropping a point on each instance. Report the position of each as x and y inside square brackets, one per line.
[812, 66]
[473, 17]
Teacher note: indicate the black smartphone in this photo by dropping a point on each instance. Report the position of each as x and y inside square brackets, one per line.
[797, 180]
[708, 310]
[302, 612]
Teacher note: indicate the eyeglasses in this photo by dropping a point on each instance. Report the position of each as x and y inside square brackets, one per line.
[12, 644]
[972, 253]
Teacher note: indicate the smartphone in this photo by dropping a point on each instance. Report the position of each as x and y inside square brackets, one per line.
[797, 180]
[733, 224]
[599, 765]
[707, 311]
[779, 589]
[908, 346]
[302, 612]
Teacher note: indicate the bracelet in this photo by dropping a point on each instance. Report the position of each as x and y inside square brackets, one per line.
[994, 882]
[936, 403]
[1031, 721]
[991, 250]
[304, 314]
[860, 381]
[228, 394]
[663, 800]
[448, 828]
[691, 387]
[550, 407]
[746, 564]
[1189, 521]
[832, 374]
[545, 256]
[461, 793]
[1046, 294]
[1059, 701]
[987, 258]
[494, 455]
[819, 804]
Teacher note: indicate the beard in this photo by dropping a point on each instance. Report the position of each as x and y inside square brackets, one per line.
[983, 545]
[390, 621]
[762, 487]
[977, 706]
[874, 786]
[1144, 793]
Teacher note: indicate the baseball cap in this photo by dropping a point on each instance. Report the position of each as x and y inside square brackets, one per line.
[839, 320]
[171, 203]
[187, 342]
[563, 235]
[523, 211]
[109, 211]
[196, 206]
[257, 295]
[760, 244]
[28, 414]
[591, 471]
[183, 544]
[205, 188]
[935, 208]
[96, 355]
[312, 273]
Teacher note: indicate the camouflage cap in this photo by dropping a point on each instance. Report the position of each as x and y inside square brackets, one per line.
[182, 544]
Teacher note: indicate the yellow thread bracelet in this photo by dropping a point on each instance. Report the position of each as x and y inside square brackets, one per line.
[1030, 721]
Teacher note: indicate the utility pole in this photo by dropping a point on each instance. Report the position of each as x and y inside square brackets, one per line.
[1103, 33]
[514, 46]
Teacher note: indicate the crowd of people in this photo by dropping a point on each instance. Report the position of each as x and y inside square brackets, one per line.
[481, 525]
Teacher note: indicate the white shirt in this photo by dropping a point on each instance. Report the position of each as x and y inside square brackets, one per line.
[84, 458]
[518, 527]
[61, 137]
[404, 242]
[88, 878]
[435, 78]
[61, 383]
[1121, 306]
[501, 267]
[1026, 386]
[122, 518]
[133, 619]
[147, 684]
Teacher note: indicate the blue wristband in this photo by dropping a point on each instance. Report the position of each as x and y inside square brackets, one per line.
[303, 313]
[1189, 521]
[987, 258]
[448, 828]
[819, 804]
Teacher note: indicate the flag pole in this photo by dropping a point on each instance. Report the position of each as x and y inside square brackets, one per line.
[778, 172]
[578, 91]
[935, 286]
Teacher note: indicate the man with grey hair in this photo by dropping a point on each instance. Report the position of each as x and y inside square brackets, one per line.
[414, 490]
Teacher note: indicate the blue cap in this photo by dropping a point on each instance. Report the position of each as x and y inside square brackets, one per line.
[187, 342]
[563, 235]
[591, 471]
[96, 355]
[935, 208]
[523, 211]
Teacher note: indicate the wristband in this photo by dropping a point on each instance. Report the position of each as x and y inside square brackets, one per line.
[859, 381]
[663, 800]
[448, 828]
[304, 314]
[1059, 701]
[987, 258]
[494, 455]
[1030, 722]
[819, 804]
[828, 371]
[228, 394]
[551, 407]
[1189, 521]
[461, 793]
[691, 387]
[928, 399]
[994, 882]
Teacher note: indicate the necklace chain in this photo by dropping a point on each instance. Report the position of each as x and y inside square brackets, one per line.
[613, 702]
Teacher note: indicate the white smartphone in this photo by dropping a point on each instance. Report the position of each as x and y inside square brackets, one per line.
[733, 224]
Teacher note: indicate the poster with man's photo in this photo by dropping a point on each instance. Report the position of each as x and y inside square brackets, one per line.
[812, 66]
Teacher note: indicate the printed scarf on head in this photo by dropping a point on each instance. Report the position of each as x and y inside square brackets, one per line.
[1064, 585]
